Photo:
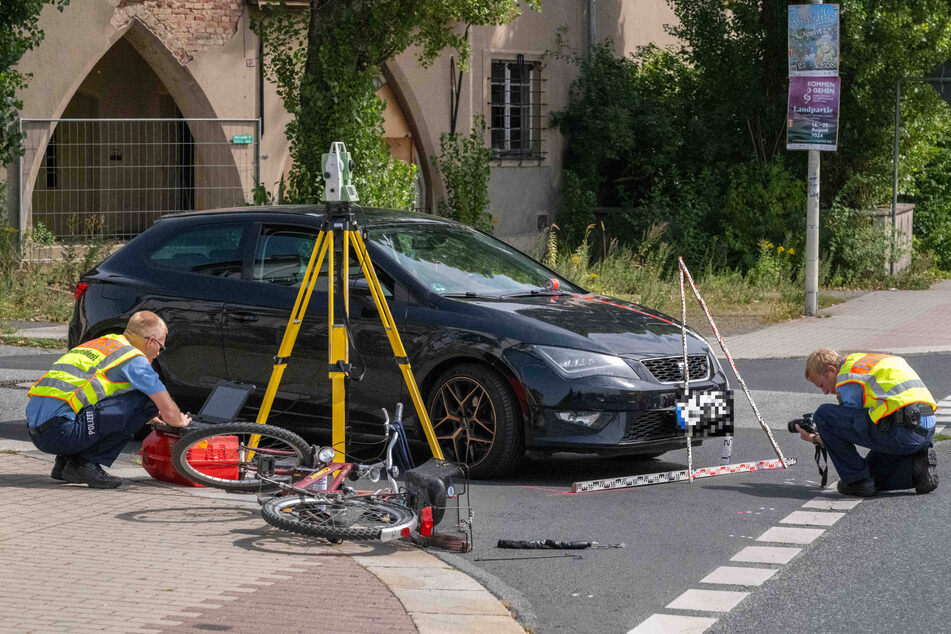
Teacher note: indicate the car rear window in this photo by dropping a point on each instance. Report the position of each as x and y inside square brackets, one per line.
[203, 250]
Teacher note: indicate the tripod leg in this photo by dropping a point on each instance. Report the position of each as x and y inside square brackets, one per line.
[293, 324]
[395, 342]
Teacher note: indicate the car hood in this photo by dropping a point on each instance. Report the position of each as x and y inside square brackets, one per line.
[591, 322]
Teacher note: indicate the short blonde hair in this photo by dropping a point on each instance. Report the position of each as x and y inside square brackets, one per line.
[146, 324]
[819, 360]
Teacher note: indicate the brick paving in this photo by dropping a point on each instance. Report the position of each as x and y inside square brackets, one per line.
[149, 558]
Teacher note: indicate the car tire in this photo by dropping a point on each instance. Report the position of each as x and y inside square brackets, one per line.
[476, 420]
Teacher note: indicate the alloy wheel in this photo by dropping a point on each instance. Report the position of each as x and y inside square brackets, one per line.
[464, 420]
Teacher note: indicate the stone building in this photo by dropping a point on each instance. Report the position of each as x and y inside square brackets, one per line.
[138, 108]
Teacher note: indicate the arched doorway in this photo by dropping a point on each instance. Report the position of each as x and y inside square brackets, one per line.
[137, 140]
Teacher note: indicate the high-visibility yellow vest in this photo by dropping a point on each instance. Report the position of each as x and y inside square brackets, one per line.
[79, 376]
[887, 381]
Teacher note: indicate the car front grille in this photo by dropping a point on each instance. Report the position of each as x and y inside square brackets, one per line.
[669, 369]
[650, 425]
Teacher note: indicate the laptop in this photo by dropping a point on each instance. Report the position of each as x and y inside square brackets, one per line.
[224, 403]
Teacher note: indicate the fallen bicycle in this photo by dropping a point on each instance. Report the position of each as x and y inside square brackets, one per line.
[304, 490]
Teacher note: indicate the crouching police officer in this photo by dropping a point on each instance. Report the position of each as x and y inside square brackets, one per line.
[96, 396]
[884, 406]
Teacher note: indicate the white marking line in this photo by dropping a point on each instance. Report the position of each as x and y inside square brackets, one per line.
[938, 429]
[735, 576]
[766, 554]
[707, 600]
[784, 535]
[831, 505]
[673, 624]
[809, 517]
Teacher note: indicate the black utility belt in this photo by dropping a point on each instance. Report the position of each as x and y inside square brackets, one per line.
[907, 416]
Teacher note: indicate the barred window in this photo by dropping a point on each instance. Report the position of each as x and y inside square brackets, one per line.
[515, 107]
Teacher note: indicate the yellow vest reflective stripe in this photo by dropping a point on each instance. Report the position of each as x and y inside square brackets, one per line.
[79, 376]
[888, 383]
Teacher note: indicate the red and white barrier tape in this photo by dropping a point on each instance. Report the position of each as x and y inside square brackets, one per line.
[678, 476]
[729, 357]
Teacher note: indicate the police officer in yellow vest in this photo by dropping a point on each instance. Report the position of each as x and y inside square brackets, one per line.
[86, 408]
[884, 406]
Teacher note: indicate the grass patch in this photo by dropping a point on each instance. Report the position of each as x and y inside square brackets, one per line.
[940, 437]
[33, 342]
[44, 291]
[772, 291]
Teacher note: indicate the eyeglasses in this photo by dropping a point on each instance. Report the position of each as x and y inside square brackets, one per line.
[161, 348]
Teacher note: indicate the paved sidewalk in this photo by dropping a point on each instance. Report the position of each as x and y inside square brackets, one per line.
[900, 322]
[155, 557]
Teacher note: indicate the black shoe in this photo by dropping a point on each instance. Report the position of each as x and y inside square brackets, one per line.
[57, 472]
[924, 474]
[80, 471]
[862, 488]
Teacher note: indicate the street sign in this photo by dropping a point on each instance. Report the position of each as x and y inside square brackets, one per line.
[813, 38]
[813, 113]
[244, 139]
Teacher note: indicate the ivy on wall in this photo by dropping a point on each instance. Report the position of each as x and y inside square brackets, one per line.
[326, 62]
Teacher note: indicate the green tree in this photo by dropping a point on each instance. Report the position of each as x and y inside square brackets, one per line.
[326, 63]
[19, 33]
[694, 134]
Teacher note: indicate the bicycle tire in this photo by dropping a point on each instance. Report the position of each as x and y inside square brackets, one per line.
[191, 458]
[352, 519]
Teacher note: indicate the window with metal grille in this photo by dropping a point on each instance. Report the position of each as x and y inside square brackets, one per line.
[515, 109]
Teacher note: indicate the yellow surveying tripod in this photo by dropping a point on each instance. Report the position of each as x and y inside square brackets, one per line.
[338, 233]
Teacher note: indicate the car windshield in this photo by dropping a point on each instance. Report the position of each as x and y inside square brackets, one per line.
[457, 260]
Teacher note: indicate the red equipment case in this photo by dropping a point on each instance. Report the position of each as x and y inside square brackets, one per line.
[216, 457]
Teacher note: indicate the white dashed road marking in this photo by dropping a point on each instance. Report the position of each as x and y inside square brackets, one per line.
[784, 535]
[707, 600]
[673, 624]
[831, 505]
[766, 554]
[821, 511]
[735, 576]
[812, 518]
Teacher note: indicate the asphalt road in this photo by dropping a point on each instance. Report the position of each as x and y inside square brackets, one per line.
[676, 534]
[873, 571]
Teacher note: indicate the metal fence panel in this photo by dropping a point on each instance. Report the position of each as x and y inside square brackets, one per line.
[111, 178]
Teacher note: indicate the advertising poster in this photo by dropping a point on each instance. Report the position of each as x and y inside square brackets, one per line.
[813, 113]
[813, 40]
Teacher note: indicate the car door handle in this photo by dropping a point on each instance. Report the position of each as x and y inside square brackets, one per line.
[243, 317]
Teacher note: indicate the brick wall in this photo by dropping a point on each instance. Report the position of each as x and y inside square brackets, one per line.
[184, 26]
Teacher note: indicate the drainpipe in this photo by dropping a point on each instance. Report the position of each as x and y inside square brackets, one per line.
[592, 25]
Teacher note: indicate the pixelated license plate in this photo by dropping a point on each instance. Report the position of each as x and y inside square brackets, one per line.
[708, 412]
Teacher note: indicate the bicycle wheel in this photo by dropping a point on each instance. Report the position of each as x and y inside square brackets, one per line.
[336, 519]
[223, 455]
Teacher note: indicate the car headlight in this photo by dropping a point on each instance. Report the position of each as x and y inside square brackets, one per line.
[572, 364]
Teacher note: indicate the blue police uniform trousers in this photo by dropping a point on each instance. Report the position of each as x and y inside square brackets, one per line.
[100, 431]
[890, 459]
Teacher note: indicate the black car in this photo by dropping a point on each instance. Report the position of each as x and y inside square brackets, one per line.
[507, 354]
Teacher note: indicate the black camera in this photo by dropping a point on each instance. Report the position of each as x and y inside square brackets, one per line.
[805, 422]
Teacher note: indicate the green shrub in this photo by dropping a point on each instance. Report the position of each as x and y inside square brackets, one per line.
[463, 162]
[858, 247]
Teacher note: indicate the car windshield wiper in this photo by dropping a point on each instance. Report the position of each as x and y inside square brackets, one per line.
[540, 292]
[467, 294]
